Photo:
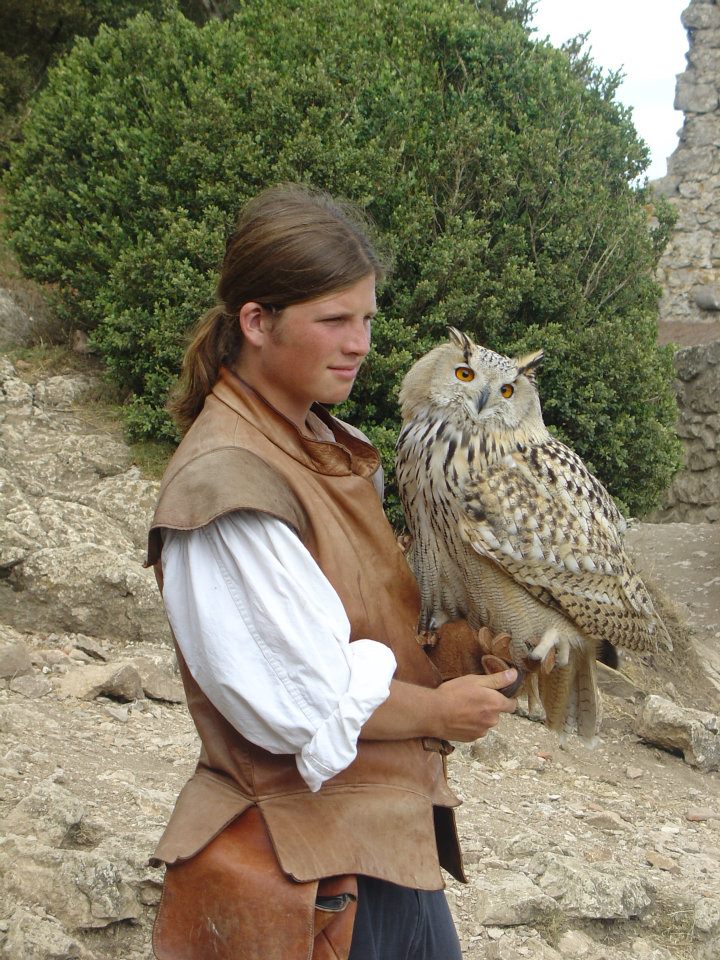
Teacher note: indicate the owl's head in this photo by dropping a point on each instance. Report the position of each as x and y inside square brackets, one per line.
[471, 385]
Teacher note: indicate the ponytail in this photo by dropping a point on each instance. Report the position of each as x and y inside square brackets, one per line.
[216, 340]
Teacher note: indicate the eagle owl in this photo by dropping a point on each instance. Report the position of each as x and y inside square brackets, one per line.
[511, 531]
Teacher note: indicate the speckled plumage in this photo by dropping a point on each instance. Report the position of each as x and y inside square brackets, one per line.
[511, 530]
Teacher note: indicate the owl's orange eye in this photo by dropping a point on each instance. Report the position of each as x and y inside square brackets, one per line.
[466, 374]
[507, 390]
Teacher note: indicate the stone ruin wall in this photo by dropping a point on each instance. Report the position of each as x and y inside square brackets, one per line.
[690, 268]
[690, 271]
[694, 494]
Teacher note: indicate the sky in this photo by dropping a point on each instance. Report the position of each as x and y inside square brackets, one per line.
[643, 38]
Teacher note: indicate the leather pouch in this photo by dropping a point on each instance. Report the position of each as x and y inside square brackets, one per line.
[231, 901]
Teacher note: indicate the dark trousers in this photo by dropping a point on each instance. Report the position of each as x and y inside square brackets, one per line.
[397, 923]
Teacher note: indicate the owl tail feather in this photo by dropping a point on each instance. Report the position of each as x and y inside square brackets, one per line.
[571, 699]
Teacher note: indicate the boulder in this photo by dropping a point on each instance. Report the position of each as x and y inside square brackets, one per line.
[33, 935]
[15, 661]
[32, 687]
[693, 733]
[84, 588]
[506, 898]
[119, 681]
[584, 891]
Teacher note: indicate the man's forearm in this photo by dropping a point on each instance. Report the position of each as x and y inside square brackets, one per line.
[407, 712]
[461, 709]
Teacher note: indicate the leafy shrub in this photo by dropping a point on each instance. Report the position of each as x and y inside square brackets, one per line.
[34, 33]
[498, 170]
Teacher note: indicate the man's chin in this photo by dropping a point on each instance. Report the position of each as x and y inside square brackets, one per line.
[333, 397]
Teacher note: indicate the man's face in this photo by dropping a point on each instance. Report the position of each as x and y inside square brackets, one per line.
[313, 350]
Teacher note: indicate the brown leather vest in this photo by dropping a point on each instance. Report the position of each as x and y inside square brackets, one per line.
[386, 815]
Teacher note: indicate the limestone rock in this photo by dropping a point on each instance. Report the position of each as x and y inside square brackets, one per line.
[75, 523]
[707, 297]
[14, 391]
[86, 888]
[84, 588]
[61, 391]
[32, 687]
[15, 661]
[707, 915]
[159, 682]
[110, 897]
[578, 945]
[33, 935]
[89, 645]
[15, 323]
[661, 862]
[129, 500]
[614, 683]
[694, 733]
[515, 945]
[644, 950]
[607, 820]
[56, 817]
[701, 16]
[584, 891]
[505, 898]
[119, 681]
[695, 97]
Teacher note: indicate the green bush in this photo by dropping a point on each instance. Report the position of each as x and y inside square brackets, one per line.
[498, 170]
[34, 33]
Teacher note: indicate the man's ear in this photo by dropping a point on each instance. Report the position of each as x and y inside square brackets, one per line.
[251, 318]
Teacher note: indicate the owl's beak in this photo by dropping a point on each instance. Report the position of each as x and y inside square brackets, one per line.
[482, 398]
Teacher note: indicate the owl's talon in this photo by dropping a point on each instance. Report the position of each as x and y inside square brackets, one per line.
[428, 639]
[498, 644]
[492, 664]
[551, 643]
[548, 661]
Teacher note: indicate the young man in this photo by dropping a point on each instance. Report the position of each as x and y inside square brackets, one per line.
[323, 722]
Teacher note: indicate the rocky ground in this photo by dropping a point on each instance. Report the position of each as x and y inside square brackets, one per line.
[607, 854]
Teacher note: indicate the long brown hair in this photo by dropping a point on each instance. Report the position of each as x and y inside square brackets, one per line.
[291, 244]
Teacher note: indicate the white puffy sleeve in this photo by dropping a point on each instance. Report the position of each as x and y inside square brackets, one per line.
[266, 638]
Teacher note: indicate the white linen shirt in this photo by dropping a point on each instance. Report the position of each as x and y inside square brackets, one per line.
[266, 637]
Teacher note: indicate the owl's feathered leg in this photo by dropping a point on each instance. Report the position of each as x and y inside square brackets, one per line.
[586, 697]
[554, 689]
[570, 698]
[567, 685]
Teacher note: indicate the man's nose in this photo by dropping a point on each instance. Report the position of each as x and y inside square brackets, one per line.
[358, 339]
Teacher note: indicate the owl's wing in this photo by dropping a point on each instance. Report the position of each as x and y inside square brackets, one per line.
[542, 517]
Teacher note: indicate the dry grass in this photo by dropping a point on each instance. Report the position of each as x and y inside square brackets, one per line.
[42, 360]
[682, 664]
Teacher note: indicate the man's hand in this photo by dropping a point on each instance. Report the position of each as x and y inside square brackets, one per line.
[471, 705]
[461, 709]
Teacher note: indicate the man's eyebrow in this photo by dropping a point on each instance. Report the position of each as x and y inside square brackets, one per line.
[341, 314]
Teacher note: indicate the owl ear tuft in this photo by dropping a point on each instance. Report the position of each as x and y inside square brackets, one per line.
[528, 363]
[461, 340]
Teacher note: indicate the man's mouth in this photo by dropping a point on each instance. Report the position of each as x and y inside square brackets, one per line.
[346, 372]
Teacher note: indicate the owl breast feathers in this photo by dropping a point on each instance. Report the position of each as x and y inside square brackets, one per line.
[511, 531]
